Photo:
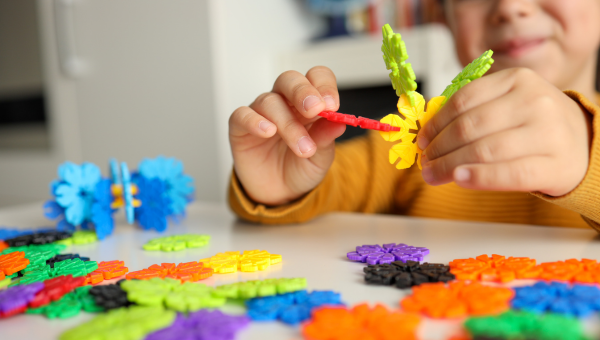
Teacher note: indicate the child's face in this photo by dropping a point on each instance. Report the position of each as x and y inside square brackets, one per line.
[556, 38]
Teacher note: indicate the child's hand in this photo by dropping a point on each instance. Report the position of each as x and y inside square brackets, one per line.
[511, 130]
[281, 150]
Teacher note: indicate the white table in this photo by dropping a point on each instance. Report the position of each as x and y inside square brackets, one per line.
[315, 250]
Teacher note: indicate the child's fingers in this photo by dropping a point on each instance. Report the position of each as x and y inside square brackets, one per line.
[245, 121]
[470, 96]
[324, 133]
[499, 147]
[297, 90]
[484, 120]
[275, 109]
[523, 174]
[324, 81]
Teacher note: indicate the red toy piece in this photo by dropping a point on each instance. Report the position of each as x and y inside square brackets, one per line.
[362, 122]
[12, 312]
[13, 262]
[56, 288]
[3, 245]
[106, 270]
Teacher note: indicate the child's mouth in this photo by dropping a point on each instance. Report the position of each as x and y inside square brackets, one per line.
[516, 48]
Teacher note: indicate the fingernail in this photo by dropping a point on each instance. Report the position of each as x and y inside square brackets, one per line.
[427, 174]
[329, 102]
[462, 175]
[424, 160]
[305, 145]
[422, 142]
[310, 102]
[264, 125]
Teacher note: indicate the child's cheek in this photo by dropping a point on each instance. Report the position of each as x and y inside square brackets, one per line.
[468, 29]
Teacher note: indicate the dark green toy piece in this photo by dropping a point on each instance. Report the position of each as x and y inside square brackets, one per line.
[476, 69]
[402, 74]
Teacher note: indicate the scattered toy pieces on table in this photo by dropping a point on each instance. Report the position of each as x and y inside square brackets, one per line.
[202, 325]
[14, 300]
[188, 271]
[177, 242]
[248, 261]
[361, 322]
[69, 305]
[406, 275]
[260, 288]
[494, 268]
[291, 308]
[388, 253]
[560, 298]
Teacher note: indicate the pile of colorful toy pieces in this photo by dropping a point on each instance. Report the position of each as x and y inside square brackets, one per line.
[157, 191]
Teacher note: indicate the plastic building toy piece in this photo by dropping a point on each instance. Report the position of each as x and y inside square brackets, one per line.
[376, 254]
[202, 325]
[496, 268]
[38, 238]
[406, 275]
[6, 233]
[54, 289]
[248, 261]
[523, 325]
[559, 298]
[172, 294]
[4, 282]
[291, 308]
[394, 55]
[69, 305]
[457, 299]
[572, 270]
[362, 122]
[62, 257]
[260, 288]
[177, 242]
[3, 245]
[80, 237]
[37, 254]
[75, 189]
[476, 69]
[13, 262]
[14, 300]
[107, 270]
[190, 271]
[125, 324]
[75, 267]
[109, 296]
[361, 322]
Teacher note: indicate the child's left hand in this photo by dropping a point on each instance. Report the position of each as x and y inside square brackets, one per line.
[509, 131]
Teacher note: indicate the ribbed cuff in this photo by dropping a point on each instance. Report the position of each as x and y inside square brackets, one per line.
[585, 198]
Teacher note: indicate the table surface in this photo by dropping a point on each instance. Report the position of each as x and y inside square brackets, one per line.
[315, 250]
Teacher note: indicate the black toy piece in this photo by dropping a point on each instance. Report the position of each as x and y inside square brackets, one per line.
[62, 257]
[110, 296]
[406, 275]
[41, 237]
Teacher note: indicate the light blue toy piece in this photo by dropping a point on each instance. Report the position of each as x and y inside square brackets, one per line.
[114, 172]
[127, 195]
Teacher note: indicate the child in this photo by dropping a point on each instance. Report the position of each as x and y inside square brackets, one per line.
[519, 145]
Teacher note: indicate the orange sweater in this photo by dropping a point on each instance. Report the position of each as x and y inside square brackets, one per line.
[362, 180]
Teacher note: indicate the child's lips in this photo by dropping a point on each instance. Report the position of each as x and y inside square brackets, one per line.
[516, 48]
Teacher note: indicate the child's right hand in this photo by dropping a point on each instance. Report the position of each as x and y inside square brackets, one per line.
[281, 150]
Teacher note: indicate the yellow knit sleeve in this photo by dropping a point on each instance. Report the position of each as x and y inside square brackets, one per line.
[360, 180]
[585, 198]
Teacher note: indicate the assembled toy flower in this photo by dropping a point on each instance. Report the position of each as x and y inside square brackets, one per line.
[411, 104]
[83, 198]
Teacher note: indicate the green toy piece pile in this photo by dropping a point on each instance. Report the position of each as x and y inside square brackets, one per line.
[131, 323]
[170, 293]
[69, 305]
[37, 254]
[525, 325]
[37, 273]
[177, 242]
[259, 288]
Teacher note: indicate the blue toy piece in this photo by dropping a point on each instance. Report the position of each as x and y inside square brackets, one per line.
[127, 195]
[114, 171]
[291, 308]
[8, 233]
[577, 300]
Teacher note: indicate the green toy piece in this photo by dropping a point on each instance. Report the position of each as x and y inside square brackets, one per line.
[259, 288]
[69, 305]
[171, 294]
[177, 242]
[5, 282]
[525, 325]
[131, 323]
[394, 55]
[37, 254]
[476, 69]
[38, 273]
[80, 237]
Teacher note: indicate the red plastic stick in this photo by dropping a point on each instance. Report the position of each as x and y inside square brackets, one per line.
[362, 122]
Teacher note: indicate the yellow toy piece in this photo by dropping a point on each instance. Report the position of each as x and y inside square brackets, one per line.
[248, 261]
[119, 202]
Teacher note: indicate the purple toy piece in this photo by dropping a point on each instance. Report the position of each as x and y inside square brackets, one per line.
[390, 252]
[18, 296]
[202, 325]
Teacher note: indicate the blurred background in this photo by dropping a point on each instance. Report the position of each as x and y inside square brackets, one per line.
[87, 80]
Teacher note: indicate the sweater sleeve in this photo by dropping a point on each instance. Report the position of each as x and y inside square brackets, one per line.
[585, 198]
[360, 180]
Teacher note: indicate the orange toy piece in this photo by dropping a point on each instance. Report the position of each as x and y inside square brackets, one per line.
[458, 299]
[572, 270]
[3, 245]
[13, 262]
[360, 322]
[106, 270]
[189, 271]
[496, 268]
